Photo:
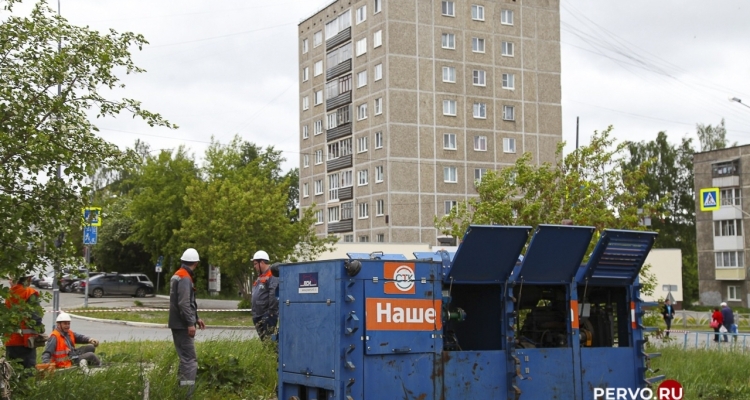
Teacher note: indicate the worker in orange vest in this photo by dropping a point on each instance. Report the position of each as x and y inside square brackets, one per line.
[265, 304]
[21, 344]
[61, 346]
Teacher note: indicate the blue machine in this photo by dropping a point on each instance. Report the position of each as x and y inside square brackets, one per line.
[478, 323]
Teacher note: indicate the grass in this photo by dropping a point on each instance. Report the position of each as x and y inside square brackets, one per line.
[227, 369]
[706, 374]
[218, 318]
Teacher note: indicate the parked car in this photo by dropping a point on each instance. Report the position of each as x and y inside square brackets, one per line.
[114, 284]
[77, 284]
[44, 282]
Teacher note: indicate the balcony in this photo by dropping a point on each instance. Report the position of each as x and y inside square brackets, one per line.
[340, 37]
[345, 225]
[346, 193]
[339, 132]
[339, 69]
[338, 101]
[722, 274]
[339, 163]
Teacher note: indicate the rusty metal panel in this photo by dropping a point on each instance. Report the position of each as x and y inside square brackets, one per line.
[607, 367]
[474, 375]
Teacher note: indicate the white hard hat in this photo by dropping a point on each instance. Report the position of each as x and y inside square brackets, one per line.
[190, 255]
[723, 304]
[260, 255]
[63, 317]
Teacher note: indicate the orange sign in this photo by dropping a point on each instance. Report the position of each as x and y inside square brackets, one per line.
[403, 314]
[574, 314]
[400, 278]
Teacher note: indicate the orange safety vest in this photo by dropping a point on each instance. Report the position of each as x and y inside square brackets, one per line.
[183, 273]
[263, 277]
[60, 357]
[18, 293]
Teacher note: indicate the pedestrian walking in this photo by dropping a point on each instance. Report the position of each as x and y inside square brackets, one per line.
[21, 344]
[716, 322]
[61, 346]
[183, 319]
[667, 313]
[265, 304]
[727, 320]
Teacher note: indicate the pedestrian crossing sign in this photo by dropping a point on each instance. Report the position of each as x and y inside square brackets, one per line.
[710, 199]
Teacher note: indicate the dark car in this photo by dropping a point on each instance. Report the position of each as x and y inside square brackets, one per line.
[77, 284]
[119, 285]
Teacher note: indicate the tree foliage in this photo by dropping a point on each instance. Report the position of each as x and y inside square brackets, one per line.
[712, 137]
[588, 187]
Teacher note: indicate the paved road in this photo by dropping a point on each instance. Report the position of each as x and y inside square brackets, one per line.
[116, 332]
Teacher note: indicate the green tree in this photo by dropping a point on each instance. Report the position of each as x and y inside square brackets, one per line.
[158, 208]
[41, 130]
[113, 251]
[712, 137]
[242, 207]
[670, 184]
[588, 186]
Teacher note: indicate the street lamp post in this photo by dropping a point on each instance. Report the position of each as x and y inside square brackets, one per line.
[738, 100]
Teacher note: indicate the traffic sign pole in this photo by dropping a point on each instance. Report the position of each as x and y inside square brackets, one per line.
[86, 289]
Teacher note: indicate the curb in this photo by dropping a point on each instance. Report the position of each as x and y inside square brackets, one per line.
[152, 325]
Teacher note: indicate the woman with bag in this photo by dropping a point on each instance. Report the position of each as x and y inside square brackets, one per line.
[716, 323]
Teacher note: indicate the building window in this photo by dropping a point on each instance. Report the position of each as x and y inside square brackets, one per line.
[339, 148]
[477, 45]
[318, 127]
[361, 112]
[379, 174]
[377, 39]
[378, 106]
[317, 38]
[730, 259]
[364, 210]
[506, 17]
[318, 68]
[364, 239]
[449, 205]
[449, 107]
[340, 23]
[333, 187]
[730, 197]
[346, 210]
[346, 178]
[348, 238]
[480, 77]
[449, 74]
[380, 238]
[509, 145]
[729, 227]
[305, 132]
[449, 41]
[509, 113]
[339, 55]
[480, 143]
[379, 207]
[508, 49]
[378, 72]
[306, 160]
[477, 13]
[361, 14]
[305, 190]
[450, 175]
[480, 110]
[305, 46]
[318, 157]
[361, 47]
[378, 140]
[318, 97]
[305, 103]
[333, 214]
[733, 293]
[449, 141]
[362, 177]
[318, 217]
[362, 144]
[361, 78]
[479, 173]
[725, 168]
[449, 9]
[305, 74]
[378, 6]
[332, 120]
[319, 188]
[509, 81]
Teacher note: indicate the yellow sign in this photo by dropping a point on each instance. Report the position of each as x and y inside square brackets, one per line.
[92, 216]
[710, 199]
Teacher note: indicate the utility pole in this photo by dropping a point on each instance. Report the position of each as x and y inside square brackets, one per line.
[577, 133]
[60, 239]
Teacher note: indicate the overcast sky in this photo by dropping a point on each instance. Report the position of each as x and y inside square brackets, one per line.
[229, 67]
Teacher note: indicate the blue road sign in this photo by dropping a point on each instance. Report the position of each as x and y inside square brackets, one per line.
[89, 235]
[159, 261]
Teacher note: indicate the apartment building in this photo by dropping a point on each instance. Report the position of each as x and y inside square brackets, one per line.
[722, 243]
[406, 104]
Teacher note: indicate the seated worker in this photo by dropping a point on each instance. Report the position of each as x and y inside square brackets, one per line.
[61, 346]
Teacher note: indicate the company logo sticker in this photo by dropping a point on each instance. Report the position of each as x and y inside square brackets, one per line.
[667, 390]
[400, 278]
[308, 282]
[403, 314]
